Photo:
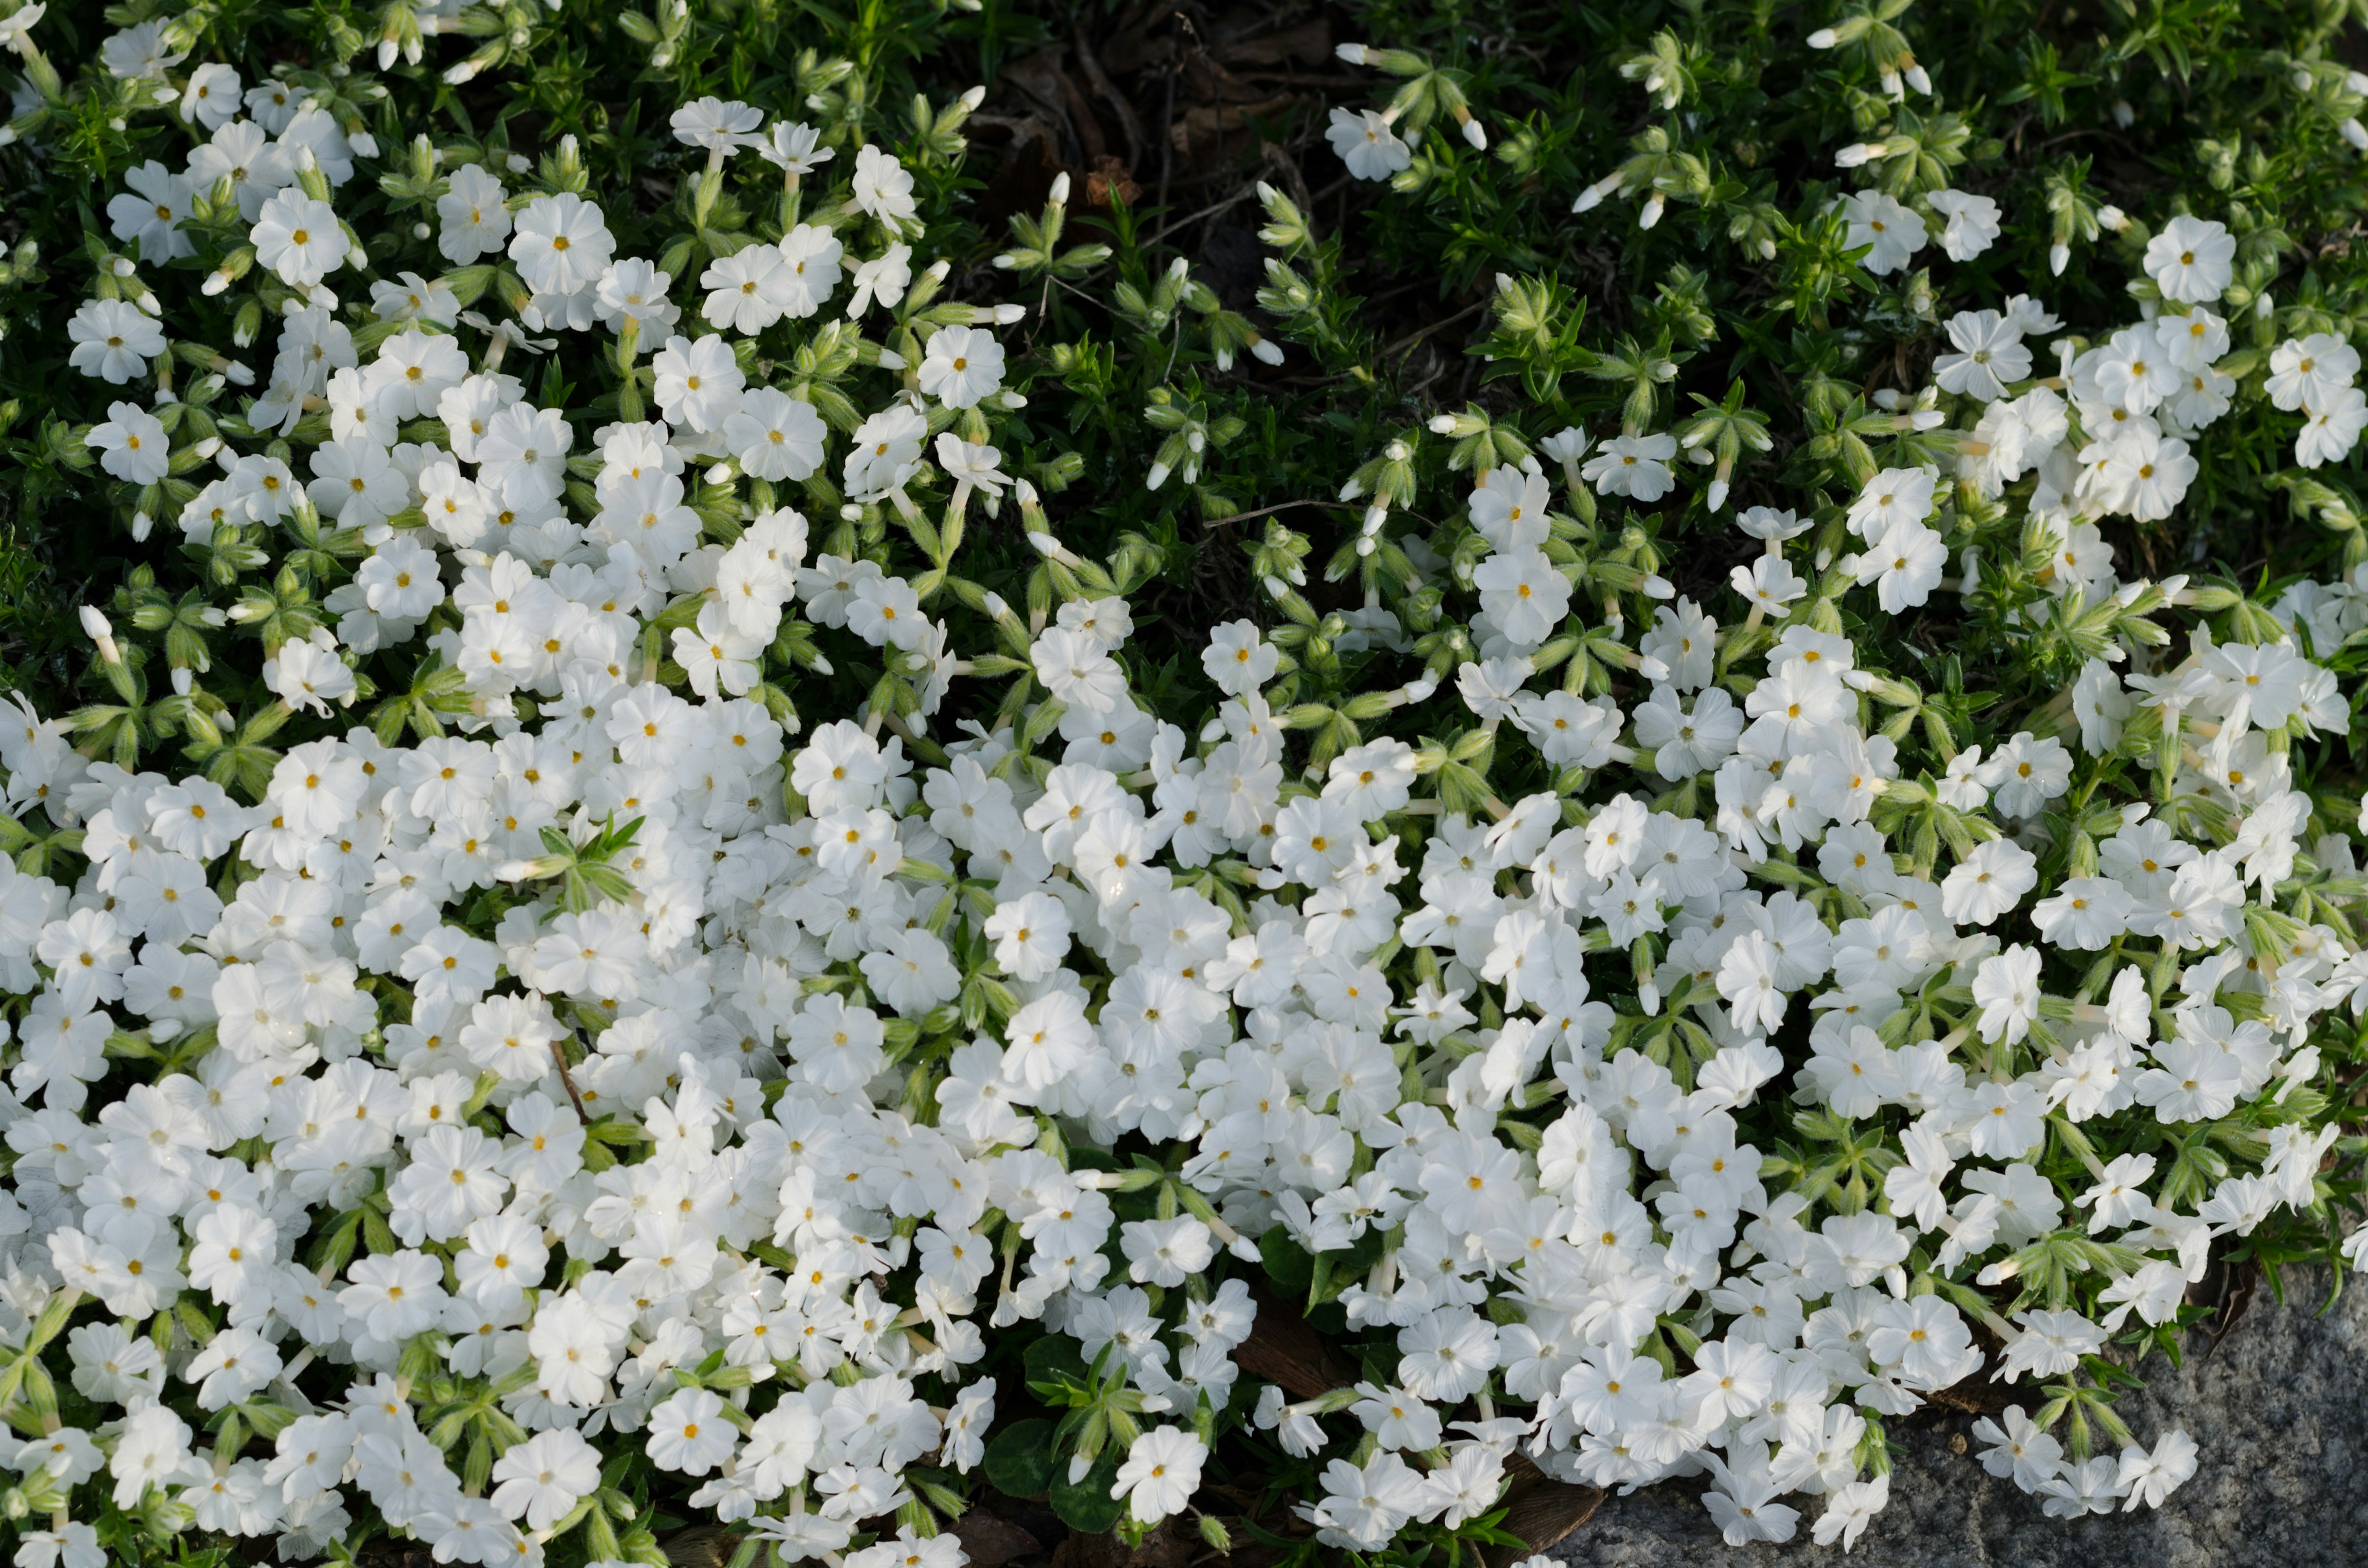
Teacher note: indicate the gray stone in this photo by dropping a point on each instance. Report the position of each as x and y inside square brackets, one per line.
[2279, 1409]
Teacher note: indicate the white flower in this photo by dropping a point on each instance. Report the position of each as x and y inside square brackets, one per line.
[811, 267]
[882, 281]
[1989, 354]
[698, 384]
[1161, 1472]
[792, 148]
[634, 290]
[471, 215]
[139, 52]
[962, 365]
[2331, 428]
[539, 1480]
[1904, 565]
[1894, 233]
[147, 214]
[716, 125]
[747, 290]
[2192, 259]
[210, 96]
[973, 463]
[775, 436]
[132, 444]
[562, 243]
[1364, 141]
[1894, 496]
[883, 187]
[1634, 466]
[884, 451]
[1969, 226]
[689, 1433]
[2310, 371]
[299, 238]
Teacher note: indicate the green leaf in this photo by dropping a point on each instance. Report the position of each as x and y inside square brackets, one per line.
[1019, 1458]
[1287, 1264]
[1088, 1507]
[1055, 1359]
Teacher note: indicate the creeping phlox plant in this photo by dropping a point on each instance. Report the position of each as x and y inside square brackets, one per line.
[487, 1066]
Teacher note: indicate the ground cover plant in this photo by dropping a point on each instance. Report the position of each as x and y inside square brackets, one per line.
[912, 785]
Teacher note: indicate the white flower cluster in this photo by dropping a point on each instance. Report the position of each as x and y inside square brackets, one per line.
[588, 1058]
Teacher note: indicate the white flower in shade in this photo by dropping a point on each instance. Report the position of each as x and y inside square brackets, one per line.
[210, 97]
[1363, 141]
[132, 444]
[716, 124]
[147, 213]
[1634, 466]
[1969, 224]
[794, 148]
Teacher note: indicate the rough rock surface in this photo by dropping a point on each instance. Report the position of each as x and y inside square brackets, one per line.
[2279, 1409]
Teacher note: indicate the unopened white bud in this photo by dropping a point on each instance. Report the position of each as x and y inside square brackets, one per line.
[96, 626]
[1059, 195]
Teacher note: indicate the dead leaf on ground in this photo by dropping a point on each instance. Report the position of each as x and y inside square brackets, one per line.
[1204, 130]
[1542, 1511]
[1112, 175]
[1172, 1545]
[1283, 1349]
[1981, 1394]
[990, 1540]
[1310, 43]
[701, 1546]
